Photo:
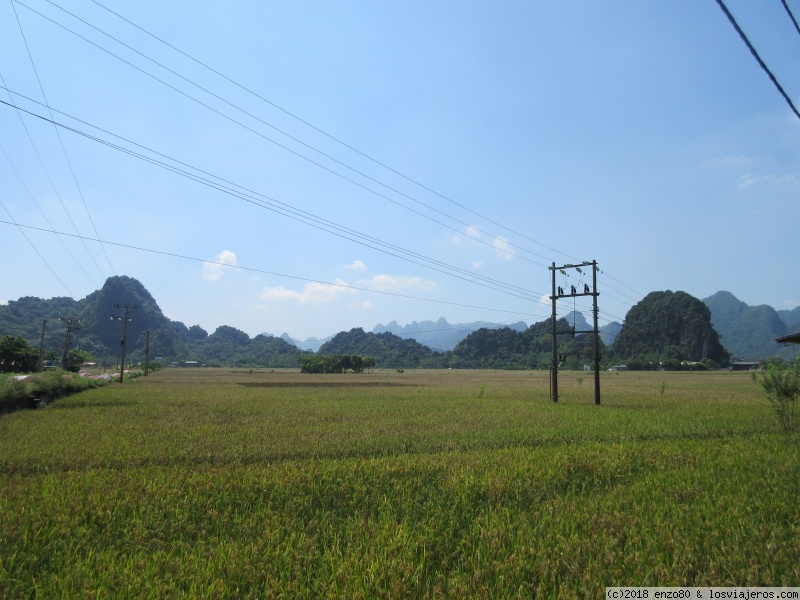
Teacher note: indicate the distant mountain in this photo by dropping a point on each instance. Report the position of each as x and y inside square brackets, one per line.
[791, 318]
[99, 332]
[313, 344]
[749, 332]
[440, 335]
[608, 332]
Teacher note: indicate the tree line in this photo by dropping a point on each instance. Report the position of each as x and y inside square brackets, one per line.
[335, 363]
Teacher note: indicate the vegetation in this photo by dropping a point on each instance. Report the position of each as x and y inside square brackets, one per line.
[502, 348]
[781, 382]
[17, 355]
[219, 483]
[336, 363]
[100, 335]
[387, 349]
[667, 328]
[16, 392]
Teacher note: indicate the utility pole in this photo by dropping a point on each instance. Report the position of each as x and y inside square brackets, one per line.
[72, 324]
[554, 367]
[147, 354]
[128, 309]
[574, 292]
[41, 346]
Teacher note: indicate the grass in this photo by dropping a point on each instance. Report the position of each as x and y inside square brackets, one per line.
[419, 484]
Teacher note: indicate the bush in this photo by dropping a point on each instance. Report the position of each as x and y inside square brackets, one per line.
[781, 382]
[13, 391]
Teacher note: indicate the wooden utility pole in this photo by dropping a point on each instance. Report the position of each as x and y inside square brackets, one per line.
[147, 354]
[554, 367]
[72, 324]
[573, 292]
[41, 346]
[128, 309]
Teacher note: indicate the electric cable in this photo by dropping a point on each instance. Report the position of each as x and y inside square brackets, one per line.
[30, 195]
[291, 137]
[285, 209]
[760, 62]
[63, 148]
[264, 122]
[35, 249]
[286, 148]
[262, 271]
[791, 15]
[319, 130]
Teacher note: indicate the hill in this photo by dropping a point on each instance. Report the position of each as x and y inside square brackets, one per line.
[387, 349]
[99, 333]
[667, 328]
[749, 332]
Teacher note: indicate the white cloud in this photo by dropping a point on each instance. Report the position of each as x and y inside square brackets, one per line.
[473, 231]
[477, 264]
[791, 304]
[363, 305]
[213, 270]
[312, 293]
[775, 180]
[503, 248]
[546, 300]
[392, 283]
[357, 265]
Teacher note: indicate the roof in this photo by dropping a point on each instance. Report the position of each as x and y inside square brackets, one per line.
[792, 338]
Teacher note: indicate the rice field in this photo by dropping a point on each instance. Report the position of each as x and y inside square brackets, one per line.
[423, 484]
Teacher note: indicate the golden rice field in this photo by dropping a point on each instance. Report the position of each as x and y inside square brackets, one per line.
[423, 484]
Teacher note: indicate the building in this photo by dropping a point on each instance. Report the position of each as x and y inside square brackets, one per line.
[745, 365]
[792, 338]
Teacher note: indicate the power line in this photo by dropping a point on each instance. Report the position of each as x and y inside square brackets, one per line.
[35, 249]
[288, 210]
[264, 272]
[761, 63]
[63, 148]
[791, 15]
[278, 144]
[284, 133]
[283, 209]
[292, 137]
[22, 181]
[319, 130]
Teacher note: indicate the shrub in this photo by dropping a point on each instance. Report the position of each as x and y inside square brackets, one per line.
[13, 390]
[781, 382]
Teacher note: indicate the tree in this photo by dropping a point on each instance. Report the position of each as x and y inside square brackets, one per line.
[76, 358]
[17, 355]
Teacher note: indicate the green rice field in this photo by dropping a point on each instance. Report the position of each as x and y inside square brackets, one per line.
[196, 483]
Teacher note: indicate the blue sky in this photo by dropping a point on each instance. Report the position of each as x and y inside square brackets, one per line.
[474, 143]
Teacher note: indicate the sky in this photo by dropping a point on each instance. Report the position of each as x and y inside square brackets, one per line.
[309, 167]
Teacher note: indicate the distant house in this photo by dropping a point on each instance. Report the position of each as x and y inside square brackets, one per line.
[191, 363]
[618, 368]
[745, 365]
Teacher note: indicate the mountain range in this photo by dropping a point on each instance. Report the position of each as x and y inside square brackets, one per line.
[747, 332]
[441, 336]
